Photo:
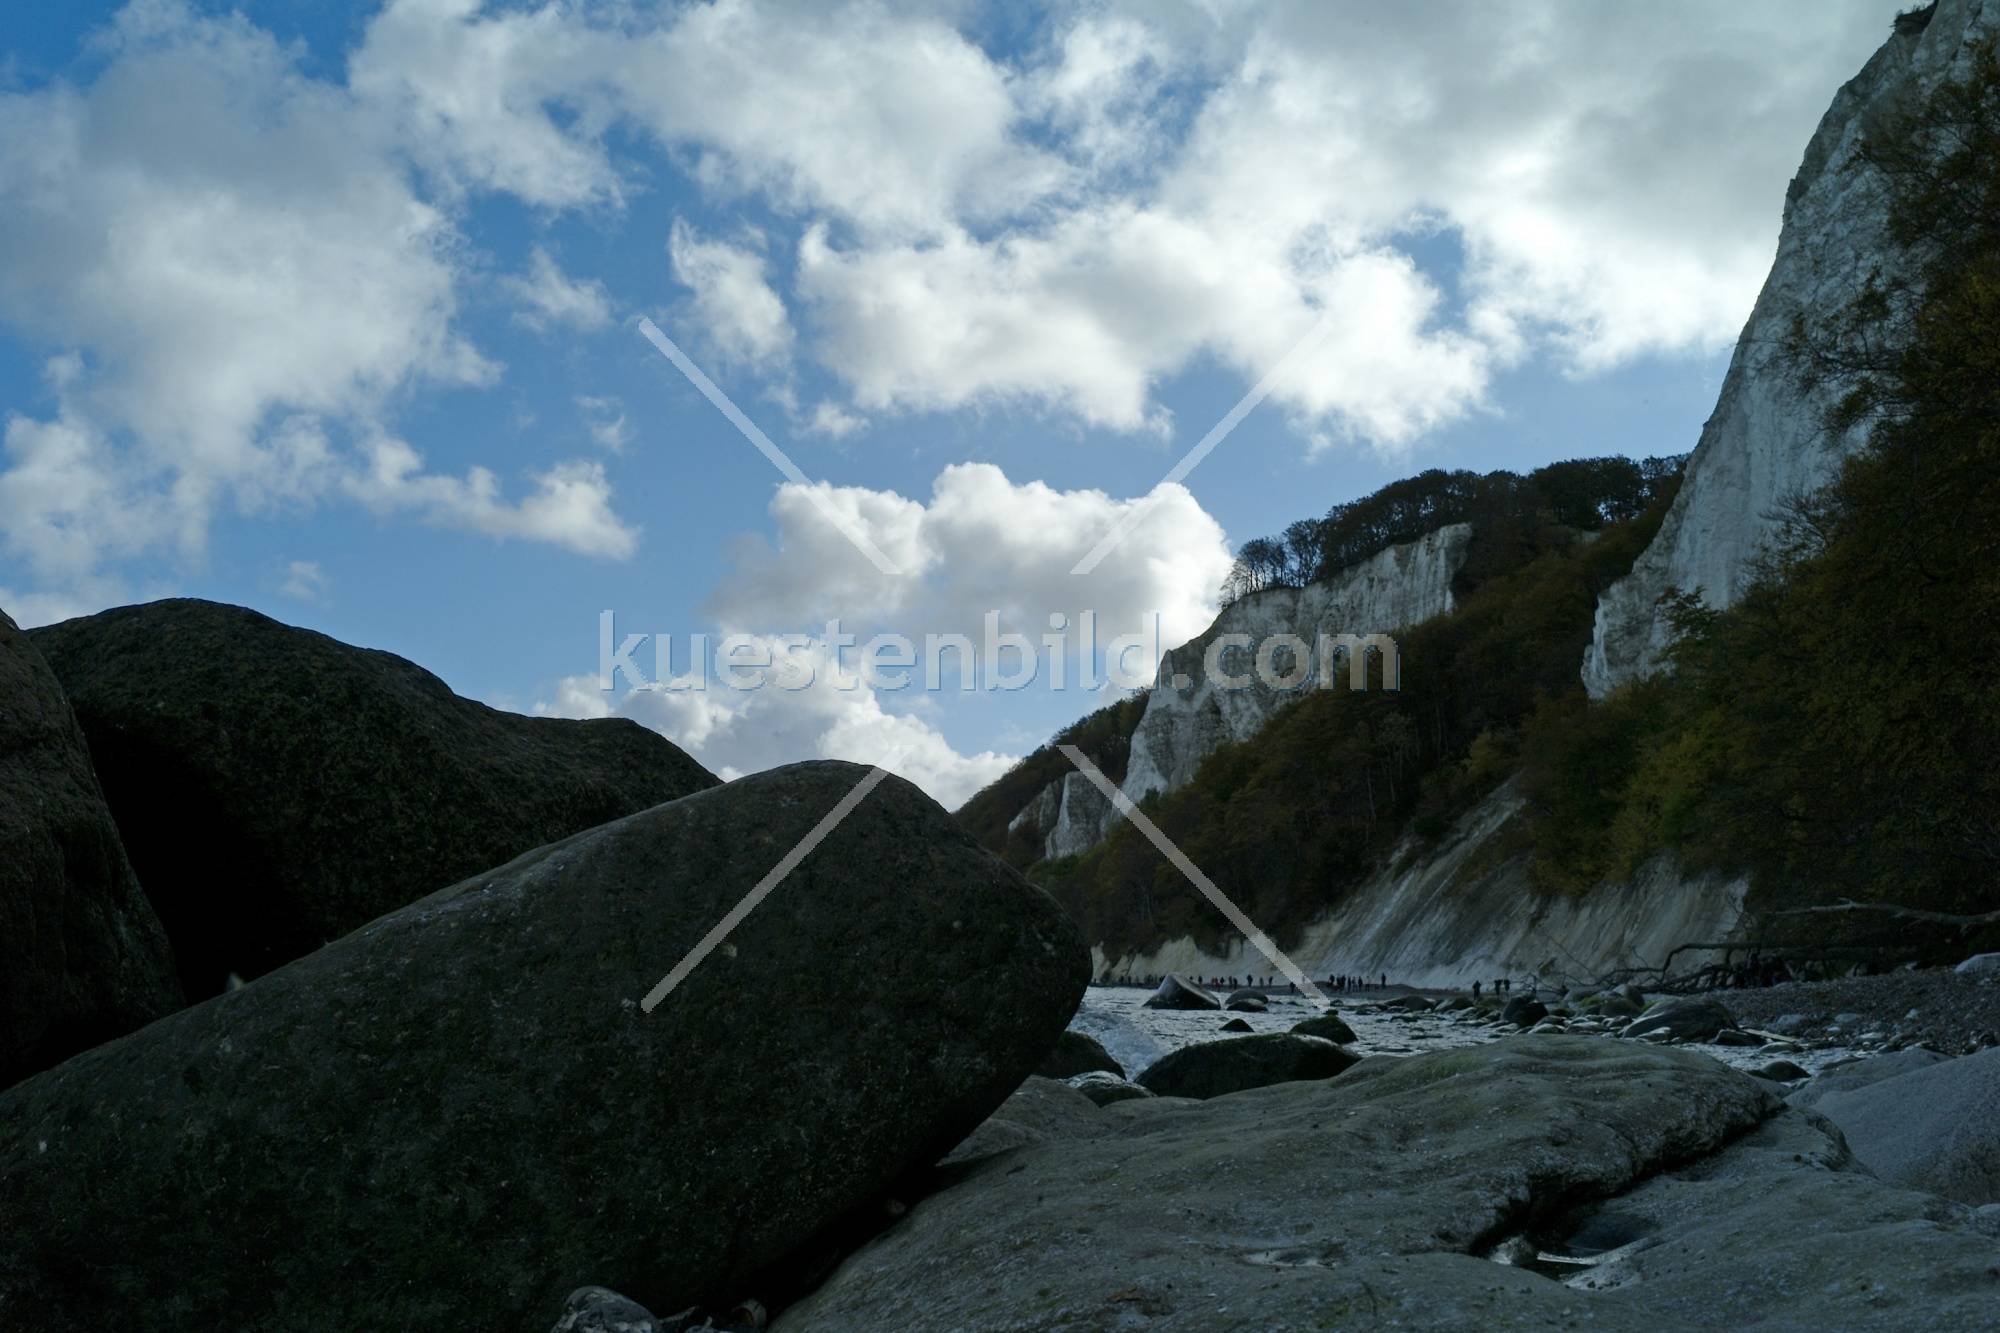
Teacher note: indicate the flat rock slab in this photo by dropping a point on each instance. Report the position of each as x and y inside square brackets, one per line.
[1782, 1231]
[1934, 1128]
[459, 1114]
[1304, 1205]
[276, 788]
[82, 956]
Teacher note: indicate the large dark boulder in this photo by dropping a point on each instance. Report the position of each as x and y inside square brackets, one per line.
[1524, 1011]
[82, 957]
[277, 788]
[1176, 993]
[460, 1113]
[1695, 1019]
[1329, 1025]
[1216, 1068]
[1077, 1053]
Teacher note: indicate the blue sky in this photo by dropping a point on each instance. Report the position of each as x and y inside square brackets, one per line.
[330, 310]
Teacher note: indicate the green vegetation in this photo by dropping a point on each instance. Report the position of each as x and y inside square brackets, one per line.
[1582, 493]
[1836, 732]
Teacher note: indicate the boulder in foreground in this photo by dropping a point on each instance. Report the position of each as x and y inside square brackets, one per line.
[1217, 1068]
[82, 956]
[276, 788]
[459, 1114]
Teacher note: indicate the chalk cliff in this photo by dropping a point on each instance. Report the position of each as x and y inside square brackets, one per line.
[1766, 441]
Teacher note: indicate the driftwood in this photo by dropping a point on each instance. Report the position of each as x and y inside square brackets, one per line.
[1961, 920]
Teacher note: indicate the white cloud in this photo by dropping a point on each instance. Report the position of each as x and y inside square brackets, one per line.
[885, 114]
[835, 716]
[834, 421]
[981, 543]
[549, 297]
[305, 580]
[1148, 186]
[570, 505]
[238, 257]
[733, 303]
[604, 417]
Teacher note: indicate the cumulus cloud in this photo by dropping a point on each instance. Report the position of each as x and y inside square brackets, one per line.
[247, 280]
[827, 712]
[980, 546]
[1146, 186]
[549, 298]
[570, 505]
[733, 303]
[980, 543]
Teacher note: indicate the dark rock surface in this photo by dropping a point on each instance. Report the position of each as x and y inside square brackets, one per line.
[1691, 1019]
[1858, 1074]
[276, 788]
[1039, 1110]
[1078, 1053]
[82, 956]
[1176, 993]
[1328, 1025]
[1247, 1001]
[1105, 1089]
[601, 1310]
[1935, 1128]
[460, 1113]
[1369, 1200]
[1238, 1025]
[1217, 1068]
[1524, 1011]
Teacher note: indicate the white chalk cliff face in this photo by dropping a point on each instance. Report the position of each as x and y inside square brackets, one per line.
[1767, 442]
[1439, 919]
[1189, 715]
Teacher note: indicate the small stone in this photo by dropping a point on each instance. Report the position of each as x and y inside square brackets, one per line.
[1104, 1089]
[602, 1310]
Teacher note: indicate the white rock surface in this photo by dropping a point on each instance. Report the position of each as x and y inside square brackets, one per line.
[1084, 816]
[1766, 441]
[1188, 716]
[1439, 920]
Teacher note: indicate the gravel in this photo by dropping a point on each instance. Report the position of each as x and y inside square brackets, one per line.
[1936, 1008]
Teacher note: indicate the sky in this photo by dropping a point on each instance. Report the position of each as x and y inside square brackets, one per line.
[336, 312]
